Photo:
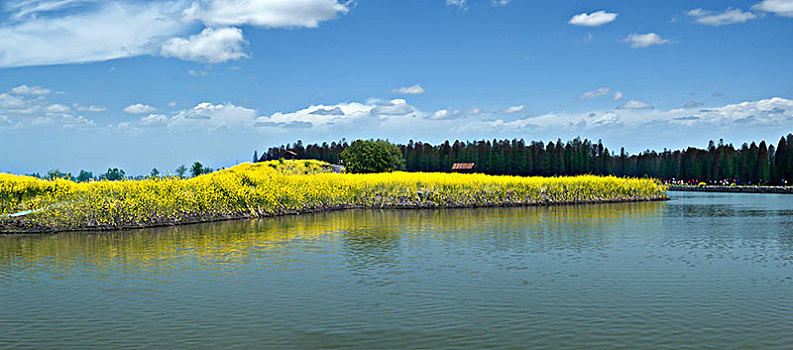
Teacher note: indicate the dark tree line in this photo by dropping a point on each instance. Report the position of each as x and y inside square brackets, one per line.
[749, 164]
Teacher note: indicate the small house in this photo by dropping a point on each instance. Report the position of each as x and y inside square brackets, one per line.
[289, 155]
[463, 167]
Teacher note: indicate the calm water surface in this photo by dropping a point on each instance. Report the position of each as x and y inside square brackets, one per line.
[700, 271]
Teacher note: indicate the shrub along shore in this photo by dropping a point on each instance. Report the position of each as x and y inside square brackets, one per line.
[734, 189]
[283, 188]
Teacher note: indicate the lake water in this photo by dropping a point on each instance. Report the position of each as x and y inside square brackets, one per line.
[704, 270]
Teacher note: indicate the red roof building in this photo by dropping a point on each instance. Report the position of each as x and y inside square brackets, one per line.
[462, 166]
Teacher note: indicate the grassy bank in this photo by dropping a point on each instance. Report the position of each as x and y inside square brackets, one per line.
[277, 188]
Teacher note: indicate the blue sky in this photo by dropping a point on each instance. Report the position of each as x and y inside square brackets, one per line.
[95, 84]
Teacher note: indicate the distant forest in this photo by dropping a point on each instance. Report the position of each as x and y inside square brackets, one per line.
[718, 163]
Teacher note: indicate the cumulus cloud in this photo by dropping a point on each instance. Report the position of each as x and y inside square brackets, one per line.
[197, 73]
[57, 108]
[594, 19]
[344, 115]
[29, 90]
[29, 107]
[513, 109]
[645, 40]
[321, 115]
[467, 113]
[330, 111]
[397, 119]
[204, 116]
[154, 120]
[634, 104]
[105, 31]
[208, 116]
[394, 107]
[91, 108]
[782, 8]
[617, 96]
[49, 32]
[268, 14]
[461, 4]
[139, 108]
[767, 114]
[409, 90]
[211, 46]
[720, 18]
[594, 93]
[10, 104]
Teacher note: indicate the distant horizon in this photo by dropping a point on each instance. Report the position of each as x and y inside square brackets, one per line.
[169, 171]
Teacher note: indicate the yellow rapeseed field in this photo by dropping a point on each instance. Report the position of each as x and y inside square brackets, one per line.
[282, 187]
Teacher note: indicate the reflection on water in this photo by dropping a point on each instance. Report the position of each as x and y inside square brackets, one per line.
[363, 233]
[702, 269]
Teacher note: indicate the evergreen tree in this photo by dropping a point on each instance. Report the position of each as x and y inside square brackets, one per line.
[197, 169]
[181, 170]
[114, 174]
[716, 163]
[84, 176]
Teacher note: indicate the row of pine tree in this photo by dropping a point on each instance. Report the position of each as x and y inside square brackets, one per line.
[750, 164]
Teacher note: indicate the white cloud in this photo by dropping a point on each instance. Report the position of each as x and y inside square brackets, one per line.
[57, 108]
[47, 32]
[197, 73]
[110, 30]
[617, 96]
[500, 2]
[779, 7]
[440, 114]
[29, 90]
[172, 104]
[762, 112]
[595, 93]
[19, 111]
[594, 19]
[395, 107]
[645, 40]
[139, 108]
[383, 115]
[9, 102]
[767, 114]
[211, 46]
[91, 108]
[634, 104]
[270, 14]
[353, 114]
[208, 116]
[718, 19]
[204, 116]
[513, 109]
[154, 120]
[461, 4]
[409, 90]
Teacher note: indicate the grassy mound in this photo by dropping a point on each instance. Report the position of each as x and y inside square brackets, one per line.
[276, 188]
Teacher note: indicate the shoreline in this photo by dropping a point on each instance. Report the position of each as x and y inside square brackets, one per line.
[734, 189]
[4, 230]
